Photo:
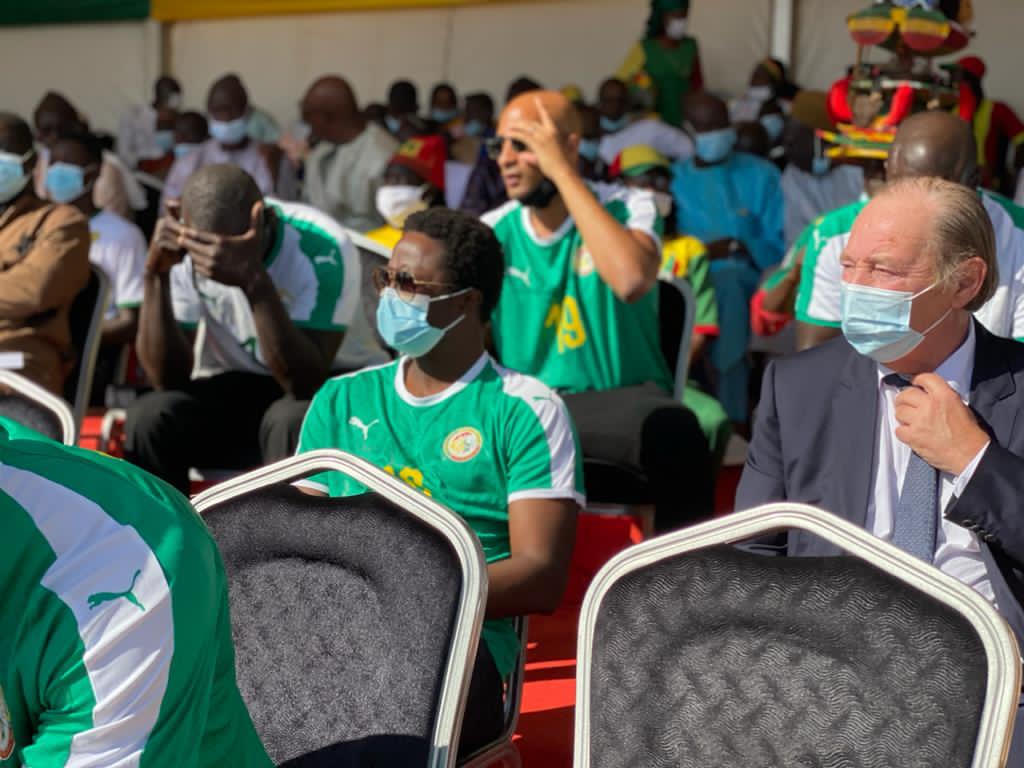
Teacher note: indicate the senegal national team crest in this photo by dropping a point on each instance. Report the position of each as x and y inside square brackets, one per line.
[6, 729]
[463, 444]
[584, 262]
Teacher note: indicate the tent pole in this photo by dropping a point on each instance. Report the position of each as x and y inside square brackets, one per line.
[783, 18]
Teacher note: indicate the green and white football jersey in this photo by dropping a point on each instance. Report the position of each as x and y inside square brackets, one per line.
[116, 645]
[818, 297]
[558, 320]
[314, 267]
[491, 438]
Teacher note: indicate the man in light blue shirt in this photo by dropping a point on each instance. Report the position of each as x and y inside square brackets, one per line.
[733, 202]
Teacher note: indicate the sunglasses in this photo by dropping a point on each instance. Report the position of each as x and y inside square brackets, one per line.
[405, 285]
[493, 146]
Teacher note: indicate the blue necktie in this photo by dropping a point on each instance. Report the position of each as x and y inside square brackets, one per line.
[917, 512]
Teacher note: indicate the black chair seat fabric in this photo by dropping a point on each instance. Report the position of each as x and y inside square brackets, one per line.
[31, 414]
[342, 614]
[721, 658]
[79, 320]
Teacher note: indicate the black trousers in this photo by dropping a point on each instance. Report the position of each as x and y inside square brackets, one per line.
[485, 705]
[229, 421]
[644, 429]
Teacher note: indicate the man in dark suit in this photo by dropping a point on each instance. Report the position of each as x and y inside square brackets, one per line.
[907, 424]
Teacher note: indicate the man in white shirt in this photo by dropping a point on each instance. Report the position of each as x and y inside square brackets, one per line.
[229, 142]
[348, 155]
[246, 301]
[118, 247]
[622, 129]
[146, 131]
[908, 424]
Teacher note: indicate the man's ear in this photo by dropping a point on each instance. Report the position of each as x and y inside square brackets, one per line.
[969, 280]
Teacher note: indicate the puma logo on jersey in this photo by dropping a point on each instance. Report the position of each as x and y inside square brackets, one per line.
[99, 598]
[521, 275]
[324, 258]
[356, 422]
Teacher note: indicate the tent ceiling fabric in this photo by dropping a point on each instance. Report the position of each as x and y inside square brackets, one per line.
[23, 12]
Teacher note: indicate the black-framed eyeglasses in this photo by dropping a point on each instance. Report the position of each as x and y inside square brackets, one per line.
[495, 144]
[405, 285]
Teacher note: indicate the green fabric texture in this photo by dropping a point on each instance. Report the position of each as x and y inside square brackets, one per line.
[670, 69]
[20, 12]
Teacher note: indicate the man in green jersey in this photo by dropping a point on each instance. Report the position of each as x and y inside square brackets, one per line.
[927, 144]
[116, 643]
[246, 302]
[579, 307]
[496, 446]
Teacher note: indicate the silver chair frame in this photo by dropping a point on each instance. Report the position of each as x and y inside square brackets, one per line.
[470, 611]
[91, 349]
[31, 391]
[1004, 663]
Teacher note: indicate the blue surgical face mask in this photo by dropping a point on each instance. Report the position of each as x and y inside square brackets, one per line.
[180, 150]
[393, 123]
[13, 178]
[65, 182]
[821, 165]
[443, 116]
[590, 149]
[164, 140]
[403, 324]
[714, 146]
[774, 124]
[614, 126]
[876, 321]
[231, 132]
[474, 128]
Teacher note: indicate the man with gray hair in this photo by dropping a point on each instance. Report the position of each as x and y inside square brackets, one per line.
[907, 424]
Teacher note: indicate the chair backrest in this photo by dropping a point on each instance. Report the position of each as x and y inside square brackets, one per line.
[36, 408]
[355, 620]
[86, 320]
[694, 653]
[676, 318]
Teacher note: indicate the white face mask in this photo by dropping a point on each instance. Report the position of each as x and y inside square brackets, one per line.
[676, 28]
[663, 201]
[760, 92]
[397, 202]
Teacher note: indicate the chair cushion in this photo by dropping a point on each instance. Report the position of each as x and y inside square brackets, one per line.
[31, 414]
[725, 658]
[342, 614]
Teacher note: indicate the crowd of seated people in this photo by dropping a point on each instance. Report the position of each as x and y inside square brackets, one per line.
[518, 310]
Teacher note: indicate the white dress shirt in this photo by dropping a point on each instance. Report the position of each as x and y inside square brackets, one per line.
[958, 553]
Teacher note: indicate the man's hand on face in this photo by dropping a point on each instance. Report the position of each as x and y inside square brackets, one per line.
[228, 259]
[547, 149]
[165, 248]
[937, 426]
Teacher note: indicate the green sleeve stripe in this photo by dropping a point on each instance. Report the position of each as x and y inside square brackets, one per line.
[128, 304]
[312, 325]
[831, 225]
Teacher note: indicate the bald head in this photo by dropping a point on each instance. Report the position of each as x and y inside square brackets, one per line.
[219, 199]
[934, 144]
[706, 112]
[332, 111]
[526, 107]
[228, 99]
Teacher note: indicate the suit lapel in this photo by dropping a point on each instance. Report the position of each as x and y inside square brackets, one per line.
[992, 387]
[855, 424]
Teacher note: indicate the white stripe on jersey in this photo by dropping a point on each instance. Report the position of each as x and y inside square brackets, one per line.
[127, 651]
[554, 418]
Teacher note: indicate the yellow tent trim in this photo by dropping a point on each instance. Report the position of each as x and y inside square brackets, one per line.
[182, 10]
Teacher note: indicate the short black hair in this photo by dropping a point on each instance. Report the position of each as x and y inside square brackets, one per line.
[520, 86]
[472, 253]
[17, 135]
[403, 95]
[442, 87]
[219, 198]
[90, 142]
